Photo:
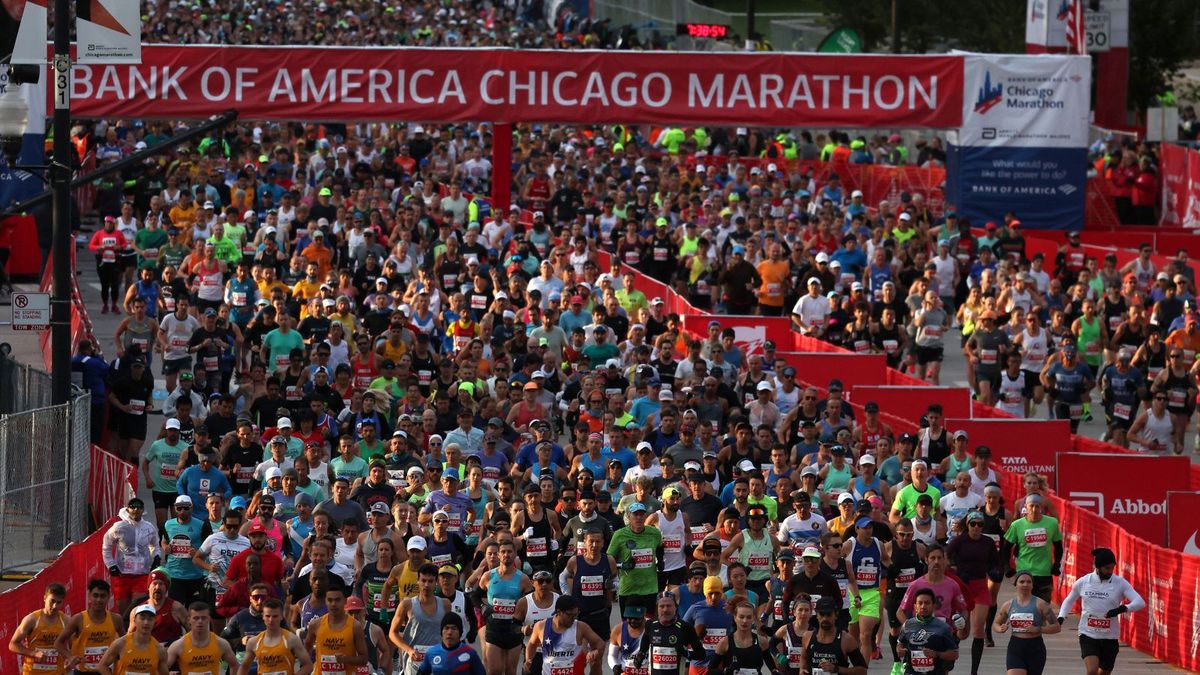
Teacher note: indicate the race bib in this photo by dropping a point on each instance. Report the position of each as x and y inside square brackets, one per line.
[48, 662]
[282, 362]
[239, 298]
[632, 258]
[168, 472]
[448, 280]
[108, 256]
[1036, 537]
[179, 342]
[1021, 622]
[211, 363]
[536, 546]
[795, 657]
[919, 662]
[712, 637]
[759, 561]
[866, 575]
[420, 653]
[141, 343]
[933, 331]
[181, 548]
[987, 357]
[478, 302]
[1176, 397]
[696, 534]
[1099, 623]
[92, 656]
[503, 608]
[329, 664]
[1075, 410]
[643, 558]
[294, 393]
[664, 658]
[591, 585]
[1013, 397]
[137, 406]
[1122, 410]
[890, 346]
[906, 576]
[1092, 348]
[660, 254]
[631, 669]
[424, 377]
[673, 544]
[862, 346]
[774, 289]
[243, 475]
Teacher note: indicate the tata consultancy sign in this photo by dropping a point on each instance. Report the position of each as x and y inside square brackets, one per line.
[1126, 489]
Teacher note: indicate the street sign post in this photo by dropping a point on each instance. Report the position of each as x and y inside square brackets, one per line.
[1098, 27]
[30, 311]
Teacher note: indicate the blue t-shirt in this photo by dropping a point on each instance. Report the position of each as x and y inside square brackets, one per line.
[716, 621]
[462, 660]
[624, 455]
[643, 408]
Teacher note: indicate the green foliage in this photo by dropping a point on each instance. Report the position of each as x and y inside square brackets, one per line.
[1162, 38]
[934, 25]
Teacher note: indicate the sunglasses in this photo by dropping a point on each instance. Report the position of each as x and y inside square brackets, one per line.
[258, 596]
[975, 523]
[833, 546]
[1160, 398]
[183, 508]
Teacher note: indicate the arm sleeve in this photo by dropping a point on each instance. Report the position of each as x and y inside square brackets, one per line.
[1058, 552]
[1069, 601]
[1136, 601]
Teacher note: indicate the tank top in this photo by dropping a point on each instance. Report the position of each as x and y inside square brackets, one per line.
[408, 580]
[537, 547]
[380, 609]
[204, 660]
[502, 595]
[298, 531]
[1177, 387]
[45, 631]
[934, 449]
[794, 642]
[957, 466]
[274, 659]
[1157, 429]
[442, 552]
[746, 660]
[837, 480]
[906, 567]
[166, 628]
[137, 333]
[534, 614]
[991, 524]
[590, 585]
[673, 537]
[1011, 396]
[422, 632]
[1089, 340]
[274, 534]
[757, 555]
[333, 642]
[1024, 617]
[1156, 360]
[1022, 299]
[561, 652]
[842, 576]
[149, 294]
[138, 660]
[867, 561]
[927, 537]
[211, 281]
[819, 652]
[628, 649]
[1033, 351]
[93, 641]
[859, 489]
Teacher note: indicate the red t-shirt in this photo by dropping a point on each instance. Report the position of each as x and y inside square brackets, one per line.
[272, 567]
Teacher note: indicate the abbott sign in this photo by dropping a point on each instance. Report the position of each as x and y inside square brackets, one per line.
[1105, 484]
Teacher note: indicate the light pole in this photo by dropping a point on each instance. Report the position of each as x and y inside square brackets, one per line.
[60, 183]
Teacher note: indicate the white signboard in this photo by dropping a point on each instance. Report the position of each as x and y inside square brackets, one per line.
[30, 311]
[1098, 29]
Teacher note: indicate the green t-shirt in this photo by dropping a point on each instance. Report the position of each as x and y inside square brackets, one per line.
[313, 490]
[642, 549]
[598, 354]
[1035, 542]
[631, 301]
[355, 468]
[163, 457]
[369, 453]
[279, 345]
[150, 241]
[906, 500]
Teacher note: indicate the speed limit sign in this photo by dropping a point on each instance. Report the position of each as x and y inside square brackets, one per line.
[1098, 27]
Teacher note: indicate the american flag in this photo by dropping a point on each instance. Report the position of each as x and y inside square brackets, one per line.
[1076, 36]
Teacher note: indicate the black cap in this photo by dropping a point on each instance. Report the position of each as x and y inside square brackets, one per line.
[826, 605]
[864, 506]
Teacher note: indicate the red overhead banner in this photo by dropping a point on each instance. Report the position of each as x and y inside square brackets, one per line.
[504, 85]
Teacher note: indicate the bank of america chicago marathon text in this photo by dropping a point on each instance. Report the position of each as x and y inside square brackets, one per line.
[497, 87]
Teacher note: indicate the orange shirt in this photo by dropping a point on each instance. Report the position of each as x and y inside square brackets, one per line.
[773, 275]
[321, 255]
[1190, 344]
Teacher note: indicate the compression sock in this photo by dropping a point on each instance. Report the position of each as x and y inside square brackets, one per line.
[976, 654]
[990, 618]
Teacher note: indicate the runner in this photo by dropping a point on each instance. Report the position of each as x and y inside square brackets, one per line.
[136, 652]
[927, 643]
[668, 641]
[976, 561]
[756, 549]
[1029, 618]
[275, 649]
[538, 605]
[743, 650]
[1104, 597]
[590, 577]
[448, 656]
[88, 634]
[504, 586]
[336, 639]
[624, 641]
[907, 565]
[564, 642]
[867, 558]
[830, 650]
[637, 549]
[35, 638]
[199, 651]
[1037, 545]
[130, 550]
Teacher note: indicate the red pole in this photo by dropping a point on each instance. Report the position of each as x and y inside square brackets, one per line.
[501, 169]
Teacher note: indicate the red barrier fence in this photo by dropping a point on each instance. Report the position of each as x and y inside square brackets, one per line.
[112, 483]
[81, 323]
[74, 567]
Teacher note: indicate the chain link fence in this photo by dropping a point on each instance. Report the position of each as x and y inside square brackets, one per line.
[44, 467]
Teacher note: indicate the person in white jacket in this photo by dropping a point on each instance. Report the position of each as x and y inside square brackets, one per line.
[130, 553]
[1104, 598]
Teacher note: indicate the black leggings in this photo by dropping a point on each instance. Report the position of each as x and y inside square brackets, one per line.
[110, 282]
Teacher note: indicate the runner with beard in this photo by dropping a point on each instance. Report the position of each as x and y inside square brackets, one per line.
[1104, 597]
[907, 565]
[668, 641]
[624, 641]
[589, 579]
[828, 649]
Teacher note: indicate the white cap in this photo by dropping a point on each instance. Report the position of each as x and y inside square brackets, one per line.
[183, 499]
[771, 168]
[144, 608]
[645, 446]
[508, 314]
[417, 544]
[856, 286]
[666, 395]
[746, 465]
[274, 472]
[208, 205]
[249, 214]
[172, 424]
[764, 386]
[856, 193]
[905, 216]
[691, 466]
[822, 257]
[328, 302]
[613, 363]
[866, 459]
[813, 280]
[284, 423]
[845, 497]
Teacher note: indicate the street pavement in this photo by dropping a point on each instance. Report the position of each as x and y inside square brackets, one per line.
[1062, 649]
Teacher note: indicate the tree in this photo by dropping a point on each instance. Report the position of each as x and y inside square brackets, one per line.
[1162, 37]
[934, 25]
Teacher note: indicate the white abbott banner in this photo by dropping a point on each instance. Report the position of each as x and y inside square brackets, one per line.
[108, 31]
[1038, 101]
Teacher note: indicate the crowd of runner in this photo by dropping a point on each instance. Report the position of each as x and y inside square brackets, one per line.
[399, 423]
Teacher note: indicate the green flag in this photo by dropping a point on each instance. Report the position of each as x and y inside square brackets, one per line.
[841, 41]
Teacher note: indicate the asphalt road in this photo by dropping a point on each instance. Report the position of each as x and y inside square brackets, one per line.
[1062, 649]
